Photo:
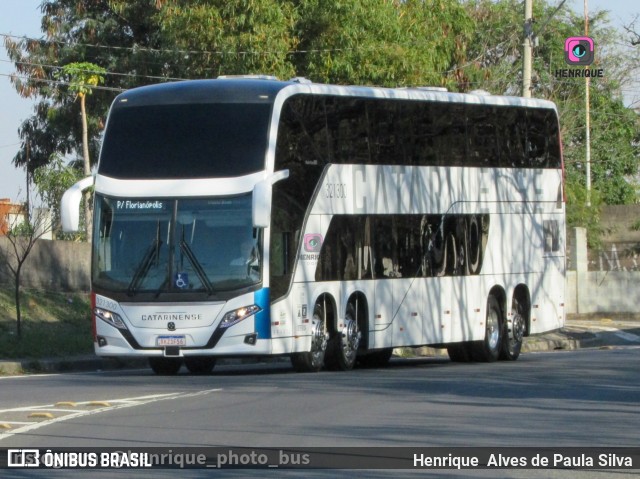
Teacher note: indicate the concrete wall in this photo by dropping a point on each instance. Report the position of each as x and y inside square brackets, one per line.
[591, 292]
[615, 292]
[51, 265]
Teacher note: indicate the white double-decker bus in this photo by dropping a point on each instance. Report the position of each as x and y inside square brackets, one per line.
[254, 217]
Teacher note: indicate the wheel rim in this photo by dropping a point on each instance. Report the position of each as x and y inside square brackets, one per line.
[517, 328]
[350, 339]
[318, 342]
[493, 329]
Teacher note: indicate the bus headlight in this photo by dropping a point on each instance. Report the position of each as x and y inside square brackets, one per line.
[233, 317]
[113, 319]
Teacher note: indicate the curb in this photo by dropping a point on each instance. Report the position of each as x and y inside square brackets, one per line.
[568, 338]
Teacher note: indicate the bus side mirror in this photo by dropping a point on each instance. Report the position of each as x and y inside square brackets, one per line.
[70, 205]
[262, 193]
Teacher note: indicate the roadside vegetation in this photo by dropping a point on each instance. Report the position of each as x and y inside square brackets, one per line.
[54, 324]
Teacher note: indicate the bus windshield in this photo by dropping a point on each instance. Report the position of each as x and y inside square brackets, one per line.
[204, 245]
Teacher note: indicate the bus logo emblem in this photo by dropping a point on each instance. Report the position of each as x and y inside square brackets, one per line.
[312, 242]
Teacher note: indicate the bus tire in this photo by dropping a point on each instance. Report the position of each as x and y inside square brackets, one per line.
[343, 345]
[312, 361]
[438, 252]
[474, 245]
[376, 359]
[200, 364]
[513, 334]
[450, 266]
[459, 352]
[165, 366]
[488, 350]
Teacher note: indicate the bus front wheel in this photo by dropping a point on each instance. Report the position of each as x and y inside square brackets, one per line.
[200, 364]
[165, 366]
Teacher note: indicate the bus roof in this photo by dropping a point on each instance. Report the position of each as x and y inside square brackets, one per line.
[256, 90]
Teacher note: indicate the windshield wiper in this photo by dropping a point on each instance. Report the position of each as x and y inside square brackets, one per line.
[186, 250]
[142, 270]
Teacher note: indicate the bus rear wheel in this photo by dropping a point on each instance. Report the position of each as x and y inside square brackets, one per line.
[165, 366]
[343, 346]
[376, 359]
[460, 352]
[514, 333]
[488, 350]
[313, 360]
[200, 364]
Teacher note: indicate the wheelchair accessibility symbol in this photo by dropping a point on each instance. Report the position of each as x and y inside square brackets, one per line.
[181, 280]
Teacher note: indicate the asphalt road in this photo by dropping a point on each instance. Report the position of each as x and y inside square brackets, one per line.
[568, 398]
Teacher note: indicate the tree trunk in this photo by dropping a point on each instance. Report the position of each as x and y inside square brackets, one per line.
[17, 297]
[88, 213]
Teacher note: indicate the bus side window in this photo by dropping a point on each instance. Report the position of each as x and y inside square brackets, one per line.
[512, 137]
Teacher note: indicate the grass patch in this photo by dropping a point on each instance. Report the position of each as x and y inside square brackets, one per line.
[53, 324]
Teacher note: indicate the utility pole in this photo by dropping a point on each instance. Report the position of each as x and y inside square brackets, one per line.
[528, 47]
[588, 116]
[28, 208]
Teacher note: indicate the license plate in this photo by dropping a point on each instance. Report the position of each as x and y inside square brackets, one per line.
[178, 340]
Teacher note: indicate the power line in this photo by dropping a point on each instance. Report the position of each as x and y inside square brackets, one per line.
[58, 82]
[188, 52]
[132, 75]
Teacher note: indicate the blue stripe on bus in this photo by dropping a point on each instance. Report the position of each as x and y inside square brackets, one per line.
[263, 318]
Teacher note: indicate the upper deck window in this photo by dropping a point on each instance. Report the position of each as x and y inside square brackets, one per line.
[185, 140]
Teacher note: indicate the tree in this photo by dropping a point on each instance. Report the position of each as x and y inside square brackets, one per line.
[463, 45]
[494, 64]
[82, 78]
[390, 43]
[52, 181]
[141, 42]
[119, 35]
[223, 37]
[20, 240]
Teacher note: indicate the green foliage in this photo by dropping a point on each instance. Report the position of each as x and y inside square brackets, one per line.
[81, 77]
[52, 181]
[23, 229]
[381, 43]
[579, 214]
[229, 37]
[495, 63]
[464, 45]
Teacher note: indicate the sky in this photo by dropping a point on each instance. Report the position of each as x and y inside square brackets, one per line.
[22, 18]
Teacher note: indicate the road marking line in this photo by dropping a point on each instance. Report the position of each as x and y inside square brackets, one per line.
[126, 403]
[628, 336]
[28, 376]
[621, 334]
